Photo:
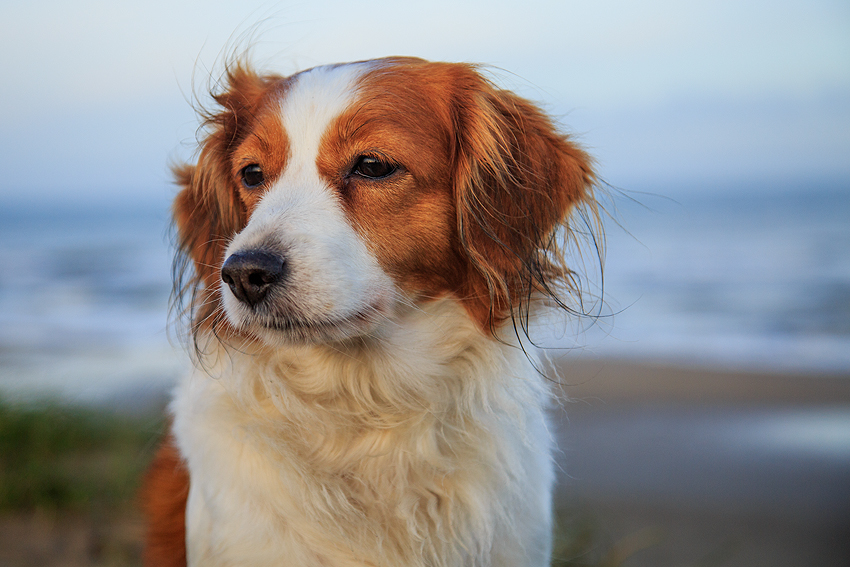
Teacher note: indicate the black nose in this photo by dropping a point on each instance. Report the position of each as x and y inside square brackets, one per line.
[251, 274]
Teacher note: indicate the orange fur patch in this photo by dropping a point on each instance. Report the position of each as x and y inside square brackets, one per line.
[164, 496]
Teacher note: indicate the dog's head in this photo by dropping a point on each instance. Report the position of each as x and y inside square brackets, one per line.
[323, 202]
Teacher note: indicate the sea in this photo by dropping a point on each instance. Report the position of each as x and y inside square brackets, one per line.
[749, 279]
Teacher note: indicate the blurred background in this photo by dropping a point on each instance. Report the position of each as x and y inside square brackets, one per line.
[709, 421]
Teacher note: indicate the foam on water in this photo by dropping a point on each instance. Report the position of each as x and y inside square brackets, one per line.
[742, 282]
[84, 303]
[737, 282]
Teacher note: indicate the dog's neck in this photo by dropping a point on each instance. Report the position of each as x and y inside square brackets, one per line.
[425, 360]
[382, 429]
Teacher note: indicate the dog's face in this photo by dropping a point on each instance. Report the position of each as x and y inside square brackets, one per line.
[323, 201]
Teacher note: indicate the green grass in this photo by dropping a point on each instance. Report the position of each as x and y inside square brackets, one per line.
[59, 458]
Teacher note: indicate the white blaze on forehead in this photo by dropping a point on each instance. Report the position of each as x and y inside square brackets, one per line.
[317, 97]
[333, 280]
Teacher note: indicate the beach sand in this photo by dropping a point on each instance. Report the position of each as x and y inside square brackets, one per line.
[683, 466]
[613, 380]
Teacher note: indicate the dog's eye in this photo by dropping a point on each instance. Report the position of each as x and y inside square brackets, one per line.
[252, 176]
[372, 168]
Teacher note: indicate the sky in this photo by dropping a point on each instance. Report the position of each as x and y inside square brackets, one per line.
[669, 96]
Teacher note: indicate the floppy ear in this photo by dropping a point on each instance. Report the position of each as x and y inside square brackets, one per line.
[516, 182]
[208, 211]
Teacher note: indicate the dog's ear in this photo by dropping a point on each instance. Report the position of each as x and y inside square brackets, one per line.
[208, 211]
[516, 181]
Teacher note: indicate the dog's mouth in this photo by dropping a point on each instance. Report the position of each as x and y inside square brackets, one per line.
[286, 324]
[285, 328]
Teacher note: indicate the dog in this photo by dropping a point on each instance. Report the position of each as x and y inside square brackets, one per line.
[362, 247]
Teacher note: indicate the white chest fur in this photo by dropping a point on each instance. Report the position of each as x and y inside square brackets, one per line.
[425, 447]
